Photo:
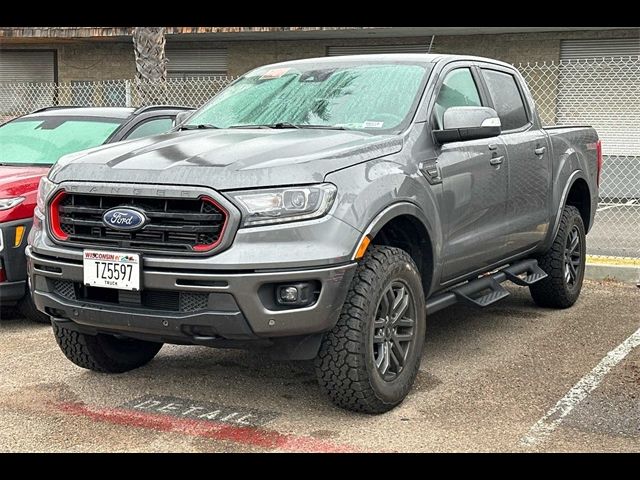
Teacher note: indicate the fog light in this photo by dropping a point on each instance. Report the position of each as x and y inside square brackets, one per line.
[297, 294]
[288, 294]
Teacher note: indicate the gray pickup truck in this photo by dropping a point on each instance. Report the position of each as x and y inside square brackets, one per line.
[320, 208]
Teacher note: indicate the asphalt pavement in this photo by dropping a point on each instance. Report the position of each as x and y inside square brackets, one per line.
[513, 377]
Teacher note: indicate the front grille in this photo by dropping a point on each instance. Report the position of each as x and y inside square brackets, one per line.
[166, 300]
[177, 225]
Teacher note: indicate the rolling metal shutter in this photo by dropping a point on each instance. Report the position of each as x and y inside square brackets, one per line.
[373, 49]
[613, 47]
[18, 69]
[196, 62]
[27, 66]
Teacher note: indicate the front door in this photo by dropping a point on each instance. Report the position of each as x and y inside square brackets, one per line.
[474, 177]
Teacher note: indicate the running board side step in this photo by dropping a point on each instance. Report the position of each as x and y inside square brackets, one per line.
[487, 290]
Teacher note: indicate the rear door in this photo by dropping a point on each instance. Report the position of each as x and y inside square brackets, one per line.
[474, 182]
[528, 158]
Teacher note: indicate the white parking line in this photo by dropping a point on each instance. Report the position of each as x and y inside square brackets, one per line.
[629, 203]
[602, 209]
[547, 424]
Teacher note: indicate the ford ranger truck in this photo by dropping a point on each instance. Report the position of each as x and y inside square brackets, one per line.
[317, 209]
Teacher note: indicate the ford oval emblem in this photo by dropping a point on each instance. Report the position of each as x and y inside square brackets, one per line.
[122, 218]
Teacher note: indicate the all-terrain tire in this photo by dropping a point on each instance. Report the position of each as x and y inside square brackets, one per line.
[104, 353]
[556, 291]
[28, 309]
[346, 363]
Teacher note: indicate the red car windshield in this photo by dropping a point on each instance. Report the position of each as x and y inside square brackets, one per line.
[43, 140]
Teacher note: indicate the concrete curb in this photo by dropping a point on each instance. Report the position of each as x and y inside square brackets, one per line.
[620, 273]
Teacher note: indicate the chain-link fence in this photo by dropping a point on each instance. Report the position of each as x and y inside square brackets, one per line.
[604, 93]
[20, 98]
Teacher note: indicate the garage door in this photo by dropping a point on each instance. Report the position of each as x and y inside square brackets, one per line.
[27, 66]
[373, 49]
[196, 62]
[19, 69]
[599, 85]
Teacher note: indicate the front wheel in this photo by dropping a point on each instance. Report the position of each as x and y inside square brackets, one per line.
[104, 353]
[369, 360]
[29, 311]
[564, 264]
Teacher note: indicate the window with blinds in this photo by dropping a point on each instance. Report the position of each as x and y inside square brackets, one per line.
[196, 62]
[334, 51]
[598, 48]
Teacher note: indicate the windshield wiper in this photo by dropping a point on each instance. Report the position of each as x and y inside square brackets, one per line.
[278, 125]
[202, 126]
[283, 125]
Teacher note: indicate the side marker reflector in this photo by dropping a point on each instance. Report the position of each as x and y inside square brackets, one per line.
[19, 236]
[362, 249]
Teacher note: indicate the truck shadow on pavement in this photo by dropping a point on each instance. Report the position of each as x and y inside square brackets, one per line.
[236, 377]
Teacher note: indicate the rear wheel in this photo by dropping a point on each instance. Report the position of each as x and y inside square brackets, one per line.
[369, 360]
[104, 353]
[564, 264]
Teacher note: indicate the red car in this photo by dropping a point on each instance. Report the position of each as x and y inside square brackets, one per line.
[29, 146]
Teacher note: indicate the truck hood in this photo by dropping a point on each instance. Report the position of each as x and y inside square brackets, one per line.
[227, 159]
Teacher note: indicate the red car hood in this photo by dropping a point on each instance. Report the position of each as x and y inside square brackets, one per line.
[20, 182]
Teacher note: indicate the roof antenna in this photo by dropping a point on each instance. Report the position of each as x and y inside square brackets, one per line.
[431, 44]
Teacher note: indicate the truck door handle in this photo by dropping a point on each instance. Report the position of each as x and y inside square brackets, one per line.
[496, 161]
[540, 150]
[493, 147]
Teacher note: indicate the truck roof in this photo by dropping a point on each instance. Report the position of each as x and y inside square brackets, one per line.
[417, 58]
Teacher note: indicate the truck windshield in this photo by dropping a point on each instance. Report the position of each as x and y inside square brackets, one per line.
[43, 140]
[369, 97]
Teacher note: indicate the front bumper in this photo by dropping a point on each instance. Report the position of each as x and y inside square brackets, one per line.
[13, 261]
[237, 307]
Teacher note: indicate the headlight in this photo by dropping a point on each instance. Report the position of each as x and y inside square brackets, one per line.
[45, 187]
[7, 203]
[279, 205]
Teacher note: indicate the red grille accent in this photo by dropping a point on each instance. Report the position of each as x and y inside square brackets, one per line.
[173, 224]
[54, 215]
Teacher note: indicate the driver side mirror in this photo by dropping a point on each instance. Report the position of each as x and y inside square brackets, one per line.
[468, 123]
[181, 117]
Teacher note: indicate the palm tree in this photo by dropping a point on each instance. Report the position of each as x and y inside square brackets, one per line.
[151, 64]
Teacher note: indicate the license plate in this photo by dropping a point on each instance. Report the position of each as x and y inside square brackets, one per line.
[111, 269]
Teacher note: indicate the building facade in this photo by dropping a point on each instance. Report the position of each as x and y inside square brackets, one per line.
[82, 54]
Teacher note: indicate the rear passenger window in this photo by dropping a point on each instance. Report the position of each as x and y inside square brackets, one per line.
[506, 99]
[458, 90]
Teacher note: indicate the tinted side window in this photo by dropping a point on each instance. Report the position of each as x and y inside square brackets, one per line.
[458, 90]
[506, 99]
[152, 127]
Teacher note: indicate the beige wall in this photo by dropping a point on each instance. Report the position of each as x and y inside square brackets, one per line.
[91, 60]
[512, 48]
[103, 61]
